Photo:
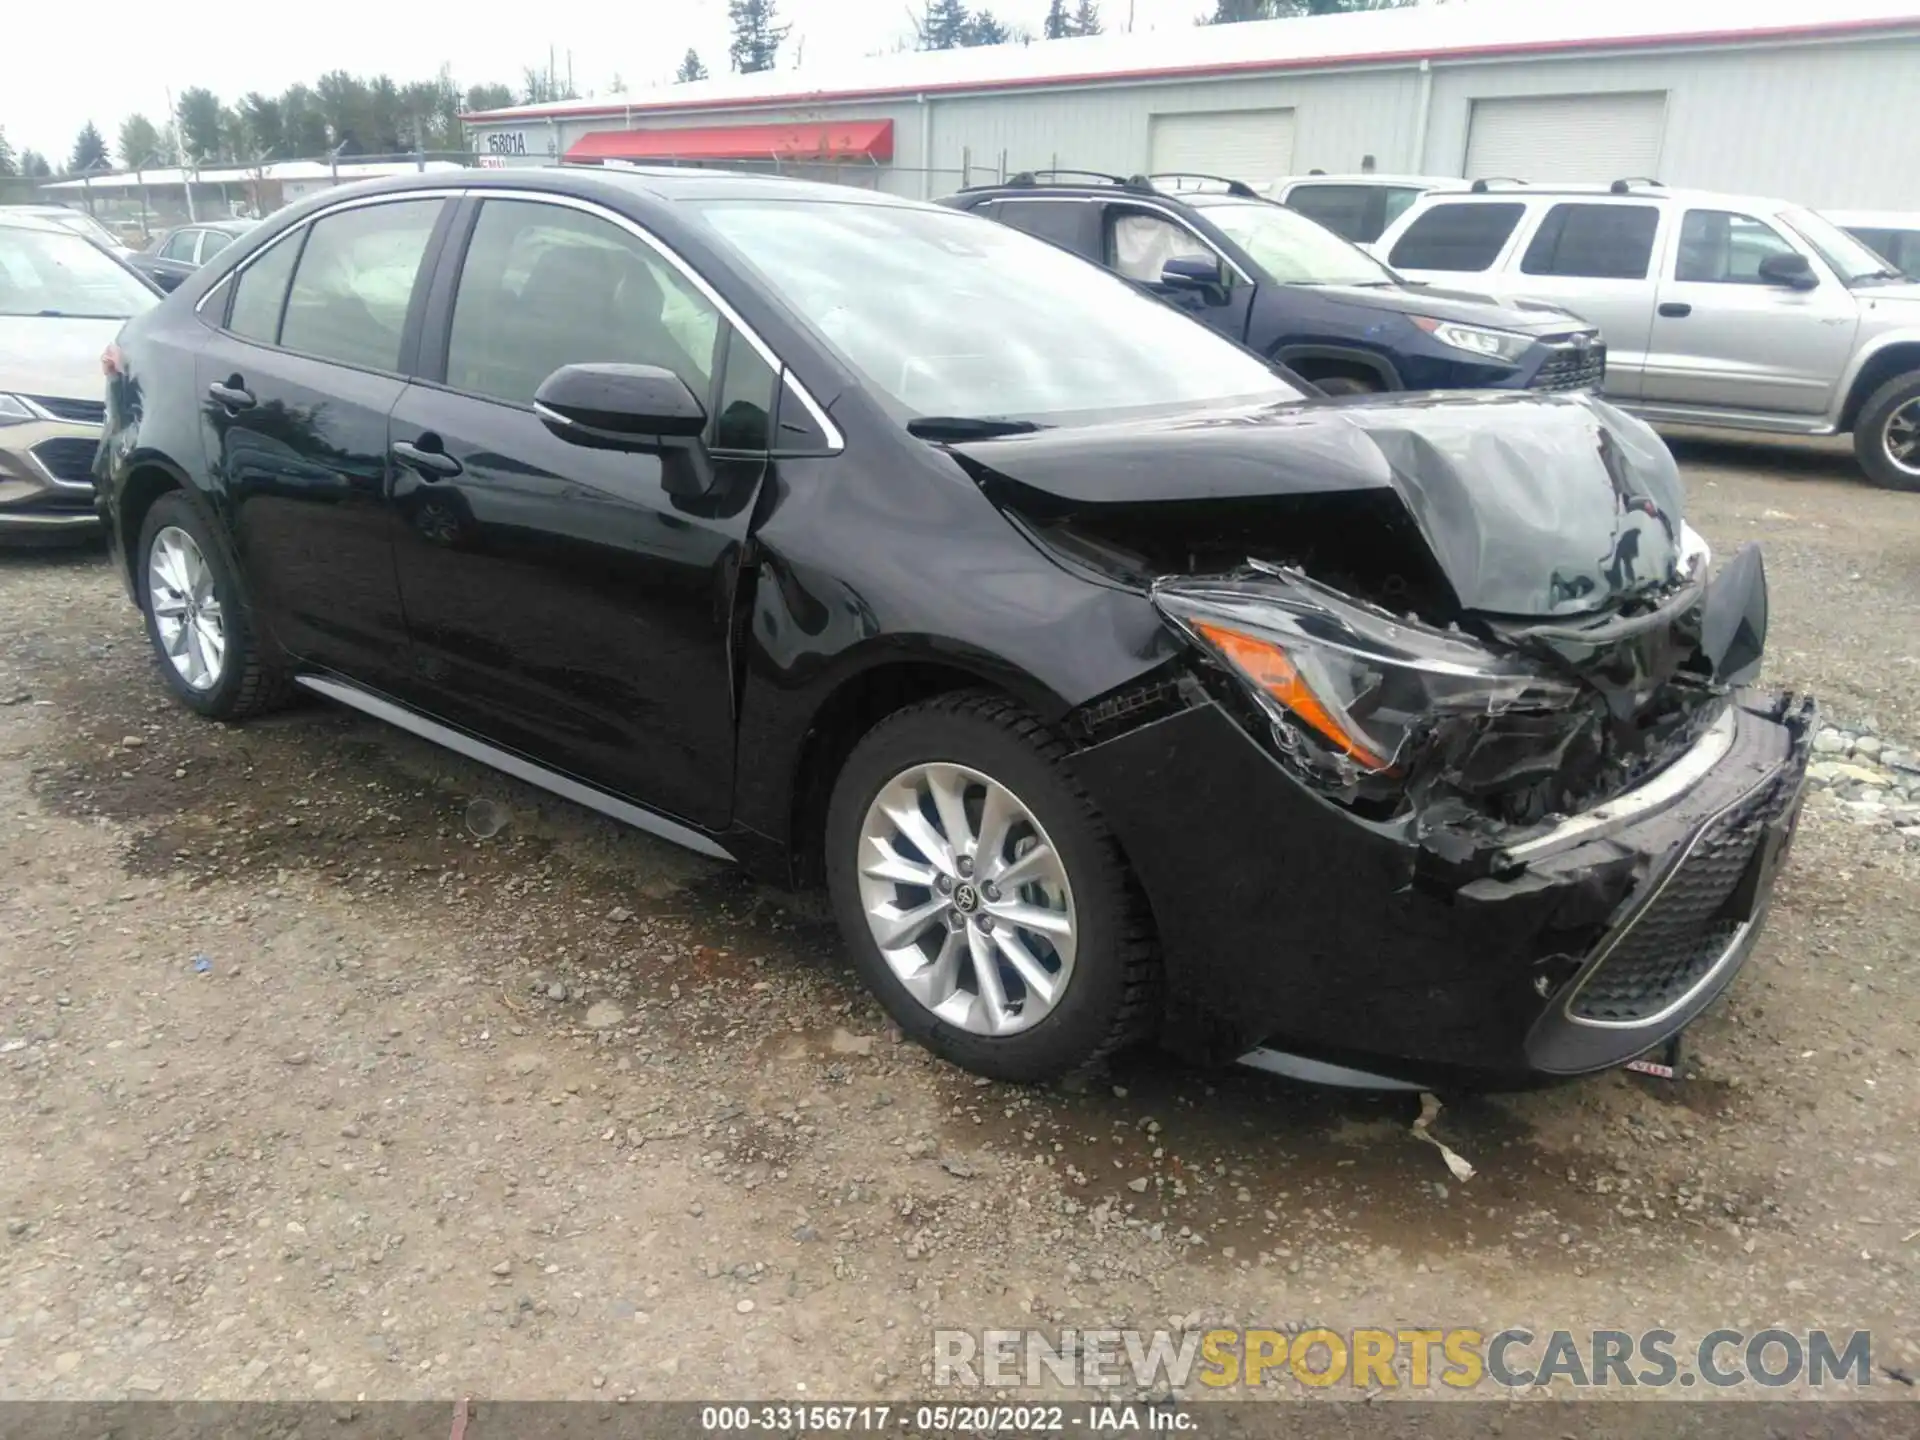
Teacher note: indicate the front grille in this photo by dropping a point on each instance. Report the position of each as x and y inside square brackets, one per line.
[69, 458]
[1572, 367]
[82, 412]
[1668, 947]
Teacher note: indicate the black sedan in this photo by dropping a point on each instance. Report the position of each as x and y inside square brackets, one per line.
[1114, 683]
[172, 255]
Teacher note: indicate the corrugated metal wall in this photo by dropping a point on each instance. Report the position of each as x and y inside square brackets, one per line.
[1337, 120]
[1834, 124]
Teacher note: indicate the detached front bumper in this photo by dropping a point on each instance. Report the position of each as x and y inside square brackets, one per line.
[46, 479]
[1287, 922]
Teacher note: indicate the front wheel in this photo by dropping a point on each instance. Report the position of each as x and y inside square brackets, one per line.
[1886, 436]
[983, 898]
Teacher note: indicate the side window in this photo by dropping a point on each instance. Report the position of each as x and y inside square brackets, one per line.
[1908, 260]
[744, 417]
[1720, 247]
[212, 242]
[1601, 242]
[544, 286]
[180, 245]
[1399, 199]
[355, 279]
[1463, 236]
[260, 292]
[1058, 222]
[1341, 208]
[1140, 244]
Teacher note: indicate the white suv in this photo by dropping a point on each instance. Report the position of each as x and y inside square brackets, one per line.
[1720, 310]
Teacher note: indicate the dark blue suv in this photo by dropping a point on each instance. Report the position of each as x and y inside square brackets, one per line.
[1291, 289]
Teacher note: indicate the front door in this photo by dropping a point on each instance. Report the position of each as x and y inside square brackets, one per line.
[561, 601]
[295, 392]
[1723, 336]
[1139, 243]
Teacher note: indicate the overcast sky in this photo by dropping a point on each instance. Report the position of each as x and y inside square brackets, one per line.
[53, 80]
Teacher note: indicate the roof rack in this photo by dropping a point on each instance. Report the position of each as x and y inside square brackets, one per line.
[1625, 187]
[1238, 188]
[1481, 187]
[1041, 177]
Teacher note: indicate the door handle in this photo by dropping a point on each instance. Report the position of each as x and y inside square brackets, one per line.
[1676, 310]
[231, 393]
[431, 463]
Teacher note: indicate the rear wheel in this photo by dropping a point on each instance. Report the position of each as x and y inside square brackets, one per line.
[1886, 436]
[984, 900]
[198, 618]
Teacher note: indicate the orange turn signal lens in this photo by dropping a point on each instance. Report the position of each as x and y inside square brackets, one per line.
[1267, 666]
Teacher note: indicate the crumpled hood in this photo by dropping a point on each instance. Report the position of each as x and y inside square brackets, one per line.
[1533, 506]
[55, 356]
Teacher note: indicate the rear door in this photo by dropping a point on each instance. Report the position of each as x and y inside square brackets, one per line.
[1725, 337]
[1596, 258]
[1073, 225]
[296, 387]
[561, 601]
[1137, 242]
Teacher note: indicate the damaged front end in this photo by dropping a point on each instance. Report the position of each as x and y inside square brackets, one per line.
[1466, 773]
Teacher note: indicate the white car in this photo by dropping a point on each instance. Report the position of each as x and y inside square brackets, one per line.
[1356, 207]
[1893, 235]
[1726, 310]
[77, 221]
[63, 299]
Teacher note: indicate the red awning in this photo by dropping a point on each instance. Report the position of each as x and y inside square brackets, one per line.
[836, 140]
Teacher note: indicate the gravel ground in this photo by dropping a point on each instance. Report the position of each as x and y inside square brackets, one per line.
[307, 1092]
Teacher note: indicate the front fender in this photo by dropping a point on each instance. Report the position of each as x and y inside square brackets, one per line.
[1870, 368]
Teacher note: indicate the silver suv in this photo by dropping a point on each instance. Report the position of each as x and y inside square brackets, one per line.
[1723, 310]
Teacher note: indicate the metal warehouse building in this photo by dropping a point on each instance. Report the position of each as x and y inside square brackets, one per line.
[1821, 106]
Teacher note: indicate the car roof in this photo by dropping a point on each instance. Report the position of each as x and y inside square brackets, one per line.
[1508, 191]
[1369, 177]
[11, 217]
[658, 182]
[1876, 219]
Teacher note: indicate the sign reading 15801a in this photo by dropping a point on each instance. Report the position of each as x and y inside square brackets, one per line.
[512, 142]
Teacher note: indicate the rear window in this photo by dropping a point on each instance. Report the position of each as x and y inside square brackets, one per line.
[1058, 222]
[1601, 242]
[1461, 236]
[1341, 208]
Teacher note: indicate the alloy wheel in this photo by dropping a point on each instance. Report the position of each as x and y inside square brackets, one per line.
[967, 899]
[1902, 437]
[186, 609]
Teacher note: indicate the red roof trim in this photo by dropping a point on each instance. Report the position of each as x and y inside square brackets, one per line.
[1841, 29]
[832, 140]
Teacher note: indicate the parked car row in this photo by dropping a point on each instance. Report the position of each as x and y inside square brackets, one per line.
[1115, 683]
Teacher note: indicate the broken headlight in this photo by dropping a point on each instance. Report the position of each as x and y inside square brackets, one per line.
[1355, 696]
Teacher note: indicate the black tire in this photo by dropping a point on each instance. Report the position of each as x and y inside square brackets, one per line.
[1870, 441]
[1112, 997]
[250, 682]
[1347, 385]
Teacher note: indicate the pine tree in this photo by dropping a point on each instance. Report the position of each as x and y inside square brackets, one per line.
[139, 143]
[89, 150]
[34, 165]
[1058, 24]
[756, 36]
[9, 166]
[1086, 19]
[943, 25]
[200, 125]
[982, 29]
[691, 68]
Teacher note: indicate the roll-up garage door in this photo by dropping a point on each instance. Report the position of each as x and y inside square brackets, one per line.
[1567, 138]
[1251, 145]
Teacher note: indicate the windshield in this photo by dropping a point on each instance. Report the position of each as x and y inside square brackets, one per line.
[948, 314]
[1291, 248]
[55, 272]
[1850, 259]
[88, 226]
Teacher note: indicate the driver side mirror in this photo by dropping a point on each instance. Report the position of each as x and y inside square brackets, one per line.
[641, 408]
[1790, 269]
[1193, 272]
